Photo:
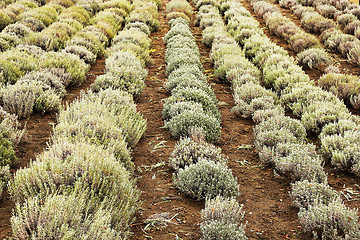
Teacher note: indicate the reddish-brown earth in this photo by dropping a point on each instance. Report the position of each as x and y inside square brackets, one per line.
[269, 212]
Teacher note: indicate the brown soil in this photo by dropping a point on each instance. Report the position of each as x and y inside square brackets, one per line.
[269, 212]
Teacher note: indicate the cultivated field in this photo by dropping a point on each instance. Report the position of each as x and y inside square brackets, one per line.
[203, 119]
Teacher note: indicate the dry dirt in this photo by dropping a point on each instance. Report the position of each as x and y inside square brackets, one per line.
[269, 212]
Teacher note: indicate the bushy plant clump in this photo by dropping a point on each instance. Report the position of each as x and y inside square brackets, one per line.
[346, 87]
[193, 104]
[314, 58]
[221, 218]
[4, 178]
[188, 151]
[206, 179]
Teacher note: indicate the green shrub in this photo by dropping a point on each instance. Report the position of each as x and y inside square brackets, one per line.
[217, 230]
[4, 178]
[226, 210]
[206, 180]
[76, 169]
[182, 124]
[75, 216]
[188, 151]
[307, 193]
[69, 62]
[332, 221]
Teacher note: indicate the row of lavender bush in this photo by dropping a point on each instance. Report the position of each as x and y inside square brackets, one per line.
[311, 54]
[81, 187]
[191, 113]
[280, 140]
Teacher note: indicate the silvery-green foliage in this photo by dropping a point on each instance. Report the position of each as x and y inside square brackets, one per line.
[206, 180]
[124, 72]
[330, 221]
[262, 7]
[234, 12]
[209, 102]
[264, 114]
[17, 29]
[275, 130]
[300, 95]
[246, 110]
[235, 64]
[338, 128]
[194, 85]
[314, 58]
[182, 124]
[257, 44]
[106, 124]
[299, 161]
[219, 50]
[179, 6]
[181, 21]
[218, 230]
[188, 69]
[76, 168]
[201, 3]
[94, 32]
[210, 33]
[182, 58]
[144, 16]
[225, 6]
[138, 26]
[63, 216]
[344, 19]
[72, 65]
[134, 36]
[175, 15]
[314, 22]
[343, 150]
[240, 22]
[188, 151]
[115, 99]
[303, 40]
[48, 79]
[328, 11]
[10, 127]
[211, 22]
[25, 96]
[124, 79]
[280, 71]
[4, 178]
[351, 27]
[172, 109]
[250, 91]
[141, 53]
[185, 80]
[345, 86]
[89, 41]
[84, 54]
[308, 193]
[173, 51]
[178, 29]
[317, 114]
[34, 24]
[226, 210]
[288, 3]
[176, 43]
[30, 49]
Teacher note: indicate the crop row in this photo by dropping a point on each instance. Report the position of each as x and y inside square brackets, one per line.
[279, 139]
[310, 53]
[334, 39]
[31, 11]
[320, 111]
[191, 113]
[81, 187]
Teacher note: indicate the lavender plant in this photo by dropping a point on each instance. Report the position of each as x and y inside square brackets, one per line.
[206, 180]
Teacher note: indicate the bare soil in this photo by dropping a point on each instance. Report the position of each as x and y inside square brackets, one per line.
[269, 212]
